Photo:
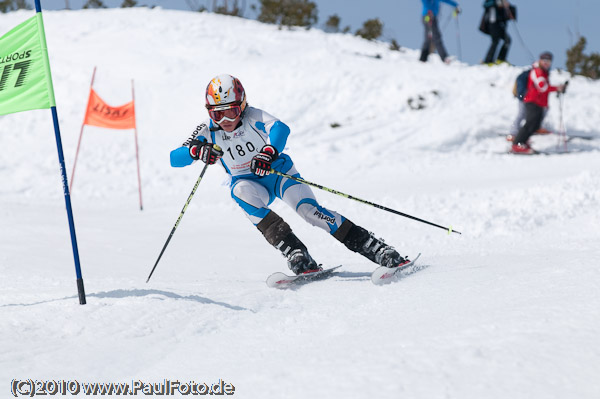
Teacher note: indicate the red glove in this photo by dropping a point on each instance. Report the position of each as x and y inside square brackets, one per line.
[261, 162]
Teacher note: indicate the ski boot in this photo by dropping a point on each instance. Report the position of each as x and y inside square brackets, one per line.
[359, 240]
[300, 262]
[279, 234]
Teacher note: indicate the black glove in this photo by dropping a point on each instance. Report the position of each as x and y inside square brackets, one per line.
[261, 162]
[208, 153]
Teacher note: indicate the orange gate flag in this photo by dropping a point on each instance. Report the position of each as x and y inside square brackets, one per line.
[100, 114]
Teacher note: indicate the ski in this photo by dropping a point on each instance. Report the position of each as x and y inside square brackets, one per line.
[568, 136]
[282, 280]
[536, 152]
[385, 275]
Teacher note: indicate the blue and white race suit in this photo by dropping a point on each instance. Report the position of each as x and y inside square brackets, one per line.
[252, 193]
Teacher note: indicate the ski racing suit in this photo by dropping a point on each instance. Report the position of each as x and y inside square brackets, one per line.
[252, 193]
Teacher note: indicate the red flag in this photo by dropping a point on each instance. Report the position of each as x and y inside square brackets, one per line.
[101, 114]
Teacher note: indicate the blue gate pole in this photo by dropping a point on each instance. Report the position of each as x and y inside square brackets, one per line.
[61, 160]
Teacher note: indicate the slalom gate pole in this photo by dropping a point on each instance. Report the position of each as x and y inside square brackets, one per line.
[137, 151]
[61, 156]
[81, 134]
[179, 219]
[299, 180]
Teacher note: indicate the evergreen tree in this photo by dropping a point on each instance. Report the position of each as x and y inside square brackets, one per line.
[128, 3]
[10, 5]
[226, 10]
[94, 4]
[288, 12]
[580, 64]
[333, 24]
[371, 29]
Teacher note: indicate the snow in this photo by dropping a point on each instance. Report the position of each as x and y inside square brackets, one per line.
[510, 308]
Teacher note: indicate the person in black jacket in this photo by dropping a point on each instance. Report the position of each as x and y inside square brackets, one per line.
[497, 13]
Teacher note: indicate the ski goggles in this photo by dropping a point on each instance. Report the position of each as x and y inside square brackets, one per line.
[224, 112]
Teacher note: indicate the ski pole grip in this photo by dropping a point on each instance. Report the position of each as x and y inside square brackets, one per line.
[216, 147]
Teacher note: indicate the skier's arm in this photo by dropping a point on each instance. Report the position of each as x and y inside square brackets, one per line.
[278, 135]
[182, 156]
[451, 2]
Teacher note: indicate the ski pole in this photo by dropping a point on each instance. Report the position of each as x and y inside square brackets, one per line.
[299, 180]
[458, 37]
[562, 128]
[521, 39]
[180, 217]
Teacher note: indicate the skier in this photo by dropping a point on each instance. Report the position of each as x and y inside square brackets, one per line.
[431, 9]
[249, 142]
[519, 91]
[497, 12]
[536, 103]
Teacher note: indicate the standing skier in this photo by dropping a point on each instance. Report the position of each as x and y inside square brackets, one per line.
[536, 102]
[433, 35]
[497, 13]
[249, 143]
[520, 91]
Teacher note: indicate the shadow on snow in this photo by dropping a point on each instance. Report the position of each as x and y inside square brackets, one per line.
[119, 294]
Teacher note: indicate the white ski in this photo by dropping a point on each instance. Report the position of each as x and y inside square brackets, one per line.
[282, 280]
[385, 275]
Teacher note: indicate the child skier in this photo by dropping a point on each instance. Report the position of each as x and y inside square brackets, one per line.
[249, 143]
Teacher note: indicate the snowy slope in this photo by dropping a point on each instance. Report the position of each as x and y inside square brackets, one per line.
[508, 309]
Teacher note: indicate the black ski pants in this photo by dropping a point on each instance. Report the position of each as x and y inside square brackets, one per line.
[498, 32]
[533, 120]
[432, 34]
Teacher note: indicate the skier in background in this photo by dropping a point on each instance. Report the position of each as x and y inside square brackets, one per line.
[519, 91]
[249, 142]
[497, 13]
[433, 35]
[536, 103]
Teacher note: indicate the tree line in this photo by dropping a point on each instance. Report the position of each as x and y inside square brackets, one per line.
[304, 13]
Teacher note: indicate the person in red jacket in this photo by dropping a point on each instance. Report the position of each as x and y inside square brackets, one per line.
[536, 102]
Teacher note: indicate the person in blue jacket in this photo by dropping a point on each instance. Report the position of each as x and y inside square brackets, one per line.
[249, 142]
[433, 35]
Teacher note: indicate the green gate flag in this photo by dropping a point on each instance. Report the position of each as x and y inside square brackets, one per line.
[25, 79]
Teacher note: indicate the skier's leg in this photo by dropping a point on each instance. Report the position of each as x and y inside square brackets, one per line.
[254, 198]
[279, 234]
[533, 119]
[505, 47]
[426, 42]
[495, 34]
[301, 198]
[437, 40]
[514, 129]
[359, 240]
